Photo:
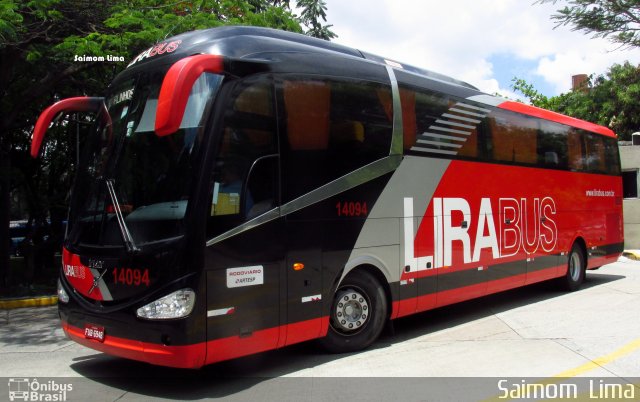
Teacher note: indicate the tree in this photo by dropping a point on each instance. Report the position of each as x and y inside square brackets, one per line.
[617, 20]
[610, 99]
[312, 12]
[39, 40]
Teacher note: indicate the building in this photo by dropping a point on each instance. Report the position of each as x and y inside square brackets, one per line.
[630, 161]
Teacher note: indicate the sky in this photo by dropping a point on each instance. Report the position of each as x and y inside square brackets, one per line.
[483, 42]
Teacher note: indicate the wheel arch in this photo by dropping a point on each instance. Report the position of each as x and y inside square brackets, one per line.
[579, 240]
[355, 279]
[373, 266]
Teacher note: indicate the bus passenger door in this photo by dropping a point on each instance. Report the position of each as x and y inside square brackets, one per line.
[245, 270]
[245, 255]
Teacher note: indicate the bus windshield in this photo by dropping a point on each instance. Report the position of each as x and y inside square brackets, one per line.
[133, 185]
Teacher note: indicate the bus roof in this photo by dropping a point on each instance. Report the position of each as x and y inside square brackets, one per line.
[256, 43]
[557, 117]
[251, 42]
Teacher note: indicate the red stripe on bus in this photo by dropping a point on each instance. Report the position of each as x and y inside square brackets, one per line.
[557, 117]
[545, 274]
[199, 354]
[405, 307]
[260, 341]
[597, 262]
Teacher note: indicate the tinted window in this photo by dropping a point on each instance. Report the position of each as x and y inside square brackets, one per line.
[514, 138]
[440, 124]
[576, 150]
[595, 153]
[552, 145]
[331, 128]
[443, 126]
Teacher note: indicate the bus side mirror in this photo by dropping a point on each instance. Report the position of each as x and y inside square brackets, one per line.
[79, 104]
[176, 88]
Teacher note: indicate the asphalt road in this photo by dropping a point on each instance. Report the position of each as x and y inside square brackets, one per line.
[460, 352]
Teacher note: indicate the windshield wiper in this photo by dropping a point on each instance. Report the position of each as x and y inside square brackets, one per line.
[126, 235]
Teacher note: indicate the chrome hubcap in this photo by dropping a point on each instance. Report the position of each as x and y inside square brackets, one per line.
[575, 267]
[352, 310]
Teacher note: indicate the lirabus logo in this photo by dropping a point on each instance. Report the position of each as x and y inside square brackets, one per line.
[477, 231]
[25, 389]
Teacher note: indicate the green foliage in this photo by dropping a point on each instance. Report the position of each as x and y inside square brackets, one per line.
[38, 42]
[528, 90]
[610, 100]
[617, 20]
[312, 12]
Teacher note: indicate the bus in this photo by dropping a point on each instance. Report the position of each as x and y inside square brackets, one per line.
[244, 189]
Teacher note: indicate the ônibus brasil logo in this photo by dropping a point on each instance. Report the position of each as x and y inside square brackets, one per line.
[25, 389]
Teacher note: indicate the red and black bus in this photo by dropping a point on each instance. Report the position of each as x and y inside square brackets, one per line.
[245, 189]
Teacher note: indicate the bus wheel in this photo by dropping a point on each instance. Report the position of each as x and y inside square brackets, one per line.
[576, 269]
[358, 314]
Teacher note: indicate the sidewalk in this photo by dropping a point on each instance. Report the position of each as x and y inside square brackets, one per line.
[29, 328]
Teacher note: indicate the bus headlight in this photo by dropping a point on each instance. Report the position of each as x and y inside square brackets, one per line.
[63, 297]
[174, 305]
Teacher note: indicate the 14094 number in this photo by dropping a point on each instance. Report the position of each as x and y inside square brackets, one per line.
[130, 276]
[352, 208]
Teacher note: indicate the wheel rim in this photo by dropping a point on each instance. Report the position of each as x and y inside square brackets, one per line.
[575, 267]
[351, 310]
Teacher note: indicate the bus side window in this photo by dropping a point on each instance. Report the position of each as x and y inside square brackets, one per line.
[470, 147]
[408, 100]
[429, 107]
[439, 124]
[409, 124]
[360, 131]
[552, 145]
[332, 127]
[513, 138]
[595, 153]
[576, 150]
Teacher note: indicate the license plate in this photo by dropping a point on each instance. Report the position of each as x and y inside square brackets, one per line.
[94, 332]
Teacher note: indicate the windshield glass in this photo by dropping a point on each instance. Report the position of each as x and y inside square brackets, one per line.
[124, 163]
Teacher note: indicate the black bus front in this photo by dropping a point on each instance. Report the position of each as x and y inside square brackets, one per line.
[130, 284]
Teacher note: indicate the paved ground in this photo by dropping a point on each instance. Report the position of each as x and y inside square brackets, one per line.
[535, 332]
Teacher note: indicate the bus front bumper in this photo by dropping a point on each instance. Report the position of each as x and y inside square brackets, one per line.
[184, 356]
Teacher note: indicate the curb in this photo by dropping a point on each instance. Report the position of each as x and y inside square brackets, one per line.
[40, 301]
[632, 254]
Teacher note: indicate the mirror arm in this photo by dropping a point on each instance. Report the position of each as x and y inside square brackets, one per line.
[69, 105]
[176, 87]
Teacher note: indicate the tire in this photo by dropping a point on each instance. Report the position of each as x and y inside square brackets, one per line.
[358, 313]
[576, 269]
